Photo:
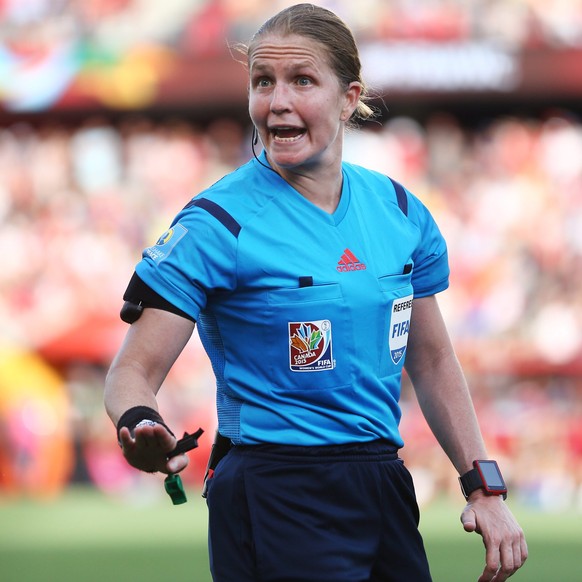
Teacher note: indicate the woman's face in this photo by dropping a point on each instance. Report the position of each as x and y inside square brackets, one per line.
[296, 102]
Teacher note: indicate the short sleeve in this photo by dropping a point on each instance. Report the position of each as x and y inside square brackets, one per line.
[431, 263]
[193, 259]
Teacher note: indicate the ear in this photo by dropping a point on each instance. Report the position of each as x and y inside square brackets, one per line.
[351, 99]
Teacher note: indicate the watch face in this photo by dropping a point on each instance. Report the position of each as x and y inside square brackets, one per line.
[491, 475]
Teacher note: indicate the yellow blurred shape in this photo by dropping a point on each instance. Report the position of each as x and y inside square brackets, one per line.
[36, 452]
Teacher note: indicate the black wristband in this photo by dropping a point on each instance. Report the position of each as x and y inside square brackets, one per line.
[132, 417]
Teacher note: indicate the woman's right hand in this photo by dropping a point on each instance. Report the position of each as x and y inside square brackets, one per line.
[148, 449]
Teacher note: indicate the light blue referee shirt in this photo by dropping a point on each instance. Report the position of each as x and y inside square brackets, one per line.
[304, 314]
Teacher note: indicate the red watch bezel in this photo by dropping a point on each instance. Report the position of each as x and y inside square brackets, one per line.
[491, 489]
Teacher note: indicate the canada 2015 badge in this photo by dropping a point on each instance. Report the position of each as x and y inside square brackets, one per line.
[310, 346]
[399, 328]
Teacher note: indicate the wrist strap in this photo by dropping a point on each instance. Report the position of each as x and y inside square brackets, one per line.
[470, 481]
[132, 417]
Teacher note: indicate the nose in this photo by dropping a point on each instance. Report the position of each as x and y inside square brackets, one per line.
[280, 99]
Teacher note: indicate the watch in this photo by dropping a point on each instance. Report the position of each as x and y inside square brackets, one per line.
[484, 475]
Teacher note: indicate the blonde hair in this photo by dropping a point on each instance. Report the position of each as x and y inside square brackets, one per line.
[329, 30]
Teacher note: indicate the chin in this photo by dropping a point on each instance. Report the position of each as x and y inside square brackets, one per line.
[290, 159]
[286, 161]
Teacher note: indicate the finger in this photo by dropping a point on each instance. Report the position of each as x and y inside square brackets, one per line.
[154, 436]
[492, 562]
[519, 551]
[144, 436]
[507, 563]
[488, 575]
[177, 463]
[165, 439]
[125, 438]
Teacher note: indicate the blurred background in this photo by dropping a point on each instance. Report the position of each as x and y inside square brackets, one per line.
[114, 113]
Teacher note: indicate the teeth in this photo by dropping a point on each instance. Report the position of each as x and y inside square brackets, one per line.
[281, 133]
[287, 139]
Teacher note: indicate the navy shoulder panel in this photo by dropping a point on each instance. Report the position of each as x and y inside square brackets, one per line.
[401, 196]
[218, 212]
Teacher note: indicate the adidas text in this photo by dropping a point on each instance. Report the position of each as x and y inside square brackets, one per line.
[351, 267]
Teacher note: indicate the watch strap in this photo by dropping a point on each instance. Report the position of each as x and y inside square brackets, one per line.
[470, 481]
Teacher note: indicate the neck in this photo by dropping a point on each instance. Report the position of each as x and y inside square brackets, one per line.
[321, 186]
[323, 192]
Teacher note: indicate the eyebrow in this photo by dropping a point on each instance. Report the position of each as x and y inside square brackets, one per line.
[304, 64]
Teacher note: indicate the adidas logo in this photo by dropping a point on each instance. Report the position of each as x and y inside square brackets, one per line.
[349, 262]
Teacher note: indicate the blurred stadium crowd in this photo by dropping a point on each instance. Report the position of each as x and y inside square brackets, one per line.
[78, 203]
[199, 25]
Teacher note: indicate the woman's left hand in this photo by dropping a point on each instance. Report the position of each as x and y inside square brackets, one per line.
[505, 545]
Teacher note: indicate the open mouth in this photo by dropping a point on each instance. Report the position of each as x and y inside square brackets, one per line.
[287, 134]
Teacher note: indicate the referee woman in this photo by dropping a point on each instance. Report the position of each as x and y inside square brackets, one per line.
[312, 283]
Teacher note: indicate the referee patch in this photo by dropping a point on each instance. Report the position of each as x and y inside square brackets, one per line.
[399, 327]
[166, 243]
[310, 346]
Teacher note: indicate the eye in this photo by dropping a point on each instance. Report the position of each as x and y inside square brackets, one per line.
[261, 82]
[304, 81]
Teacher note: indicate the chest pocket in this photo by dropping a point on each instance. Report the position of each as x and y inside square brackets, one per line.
[310, 332]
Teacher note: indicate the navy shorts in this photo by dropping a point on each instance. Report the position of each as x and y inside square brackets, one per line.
[314, 514]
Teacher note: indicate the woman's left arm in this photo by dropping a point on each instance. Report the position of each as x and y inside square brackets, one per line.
[445, 401]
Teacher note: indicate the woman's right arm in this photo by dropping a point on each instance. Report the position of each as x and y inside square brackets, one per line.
[151, 346]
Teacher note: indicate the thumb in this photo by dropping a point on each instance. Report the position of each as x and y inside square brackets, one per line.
[468, 520]
[177, 463]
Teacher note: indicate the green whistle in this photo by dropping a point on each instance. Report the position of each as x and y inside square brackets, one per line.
[175, 489]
